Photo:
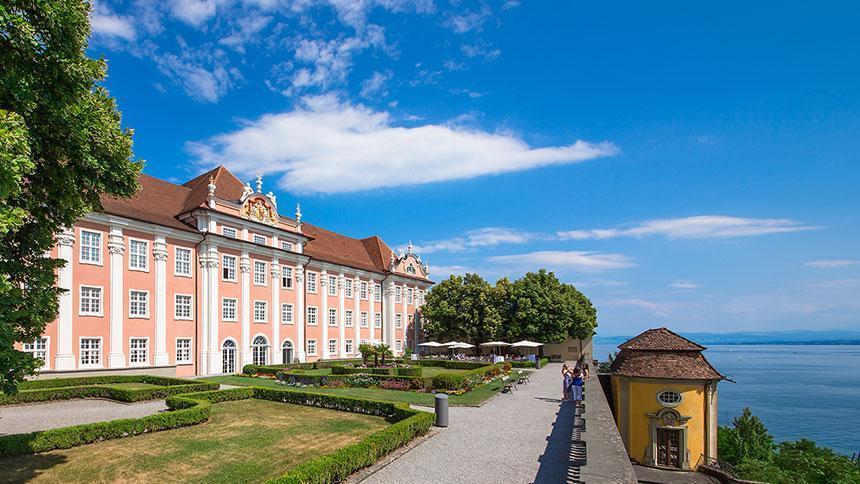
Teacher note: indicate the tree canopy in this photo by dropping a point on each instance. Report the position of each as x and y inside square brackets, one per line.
[537, 306]
[61, 147]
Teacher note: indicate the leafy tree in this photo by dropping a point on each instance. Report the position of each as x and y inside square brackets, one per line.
[747, 439]
[367, 350]
[383, 351]
[61, 148]
[542, 308]
[462, 308]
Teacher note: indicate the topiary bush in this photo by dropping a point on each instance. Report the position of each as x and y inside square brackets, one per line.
[448, 381]
[414, 371]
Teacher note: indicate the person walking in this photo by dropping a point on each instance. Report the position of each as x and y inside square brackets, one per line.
[576, 385]
[567, 380]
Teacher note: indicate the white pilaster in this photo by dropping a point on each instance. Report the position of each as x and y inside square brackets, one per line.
[159, 253]
[275, 314]
[299, 315]
[356, 314]
[116, 247]
[214, 345]
[322, 318]
[245, 271]
[388, 307]
[399, 333]
[65, 359]
[205, 313]
[371, 309]
[341, 318]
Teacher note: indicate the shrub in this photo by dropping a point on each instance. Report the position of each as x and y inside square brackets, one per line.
[415, 371]
[99, 387]
[394, 384]
[448, 381]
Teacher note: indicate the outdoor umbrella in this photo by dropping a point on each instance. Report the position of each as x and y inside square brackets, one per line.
[431, 344]
[495, 344]
[526, 344]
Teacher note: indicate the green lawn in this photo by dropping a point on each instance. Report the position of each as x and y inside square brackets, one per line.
[244, 441]
[472, 398]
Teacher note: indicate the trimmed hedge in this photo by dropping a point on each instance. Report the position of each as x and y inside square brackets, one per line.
[415, 383]
[452, 364]
[185, 411]
[316, 365]
[348, 370]
[528, 364]
[99, 387]
[413, 372]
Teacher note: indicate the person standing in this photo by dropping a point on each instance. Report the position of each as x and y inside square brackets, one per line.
[567, 380]
[576, 385]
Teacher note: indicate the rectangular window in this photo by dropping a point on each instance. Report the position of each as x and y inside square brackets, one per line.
[260, 311]
[362, 319]
[398, 346]
[182, 262]
[332, 346]
[183, 350]
[91, 301]
[286, 314]
[228, 309]
[348, 345]
[347, 288]
[312, 316]
[377, 292]
[259, 239]
[398, 321]
[228, 268]
[377, 320]
[91, 352]
[137, 351]
[312, 282]
[182, 306]
[332, 286]
[398, 294]
[312, 347]
[286, 245]
[137, 251]
[332, 317]
[138, 304]
[91, 247]
[286, 277]
[409, 296]
[259, 273]
[229, 232]
[362, 290]
[38, 348]
[347, 316]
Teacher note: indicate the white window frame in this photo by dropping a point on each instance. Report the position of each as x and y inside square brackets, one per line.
[377, 320]
[286, 245]
[265, 317]
[235, 309]
[225, 229]
[398, 294]
[176, 261]
[33, 349]
[332, 317]
[291, 313]
[100, 311]
[315, 320]
[398, 320]
[132, 255]
[312, 343]
[311, 282]
[235, 260]
[100, 260]
[377, 293]
[145, 361]
[259, 239]
[146, 301]
[100, 363]
[669, 404]
[348, 346]
[257, 264]
[190, 359]
[332, 285]
[176, 315]
[398, 346]
[287, 276]
[255, 348]
[409, 295]
[332, 345]
[347, 288]
[348, 318]
[363, 320]
[362, 290]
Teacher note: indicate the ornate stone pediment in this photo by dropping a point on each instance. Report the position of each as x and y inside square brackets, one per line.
[259, 209]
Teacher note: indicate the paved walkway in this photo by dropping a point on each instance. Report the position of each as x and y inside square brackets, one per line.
[20, 419]
[518, 437]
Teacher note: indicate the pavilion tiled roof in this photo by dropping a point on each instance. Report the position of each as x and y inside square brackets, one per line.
[661, 353]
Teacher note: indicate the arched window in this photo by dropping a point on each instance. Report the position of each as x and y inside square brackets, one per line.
[260, 350]
[228, 356]
[287, 352]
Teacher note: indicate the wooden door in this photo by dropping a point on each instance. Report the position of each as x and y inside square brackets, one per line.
[669, 448]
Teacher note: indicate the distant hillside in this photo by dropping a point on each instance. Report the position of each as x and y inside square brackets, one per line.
[799, 337]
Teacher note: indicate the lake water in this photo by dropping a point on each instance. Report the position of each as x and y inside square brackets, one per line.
[798, 391]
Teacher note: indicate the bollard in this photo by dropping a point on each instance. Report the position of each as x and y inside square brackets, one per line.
[537, 364]
[441, 410]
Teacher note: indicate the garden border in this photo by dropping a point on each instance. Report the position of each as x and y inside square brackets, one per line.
[33, 391]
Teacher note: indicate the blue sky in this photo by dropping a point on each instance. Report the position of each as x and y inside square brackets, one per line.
[684, 164]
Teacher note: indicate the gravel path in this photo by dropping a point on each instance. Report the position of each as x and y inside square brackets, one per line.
[510, 439]
[20, 419]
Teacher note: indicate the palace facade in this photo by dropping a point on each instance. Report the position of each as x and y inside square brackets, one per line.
[205, 277]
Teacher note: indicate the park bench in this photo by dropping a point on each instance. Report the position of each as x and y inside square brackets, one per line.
[523, 377]
[508, 384]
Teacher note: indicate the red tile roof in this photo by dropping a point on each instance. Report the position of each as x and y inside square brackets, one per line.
[660, 339]
[157, 202]
[227, 187]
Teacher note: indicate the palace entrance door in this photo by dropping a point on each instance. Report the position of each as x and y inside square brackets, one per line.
[669, 448]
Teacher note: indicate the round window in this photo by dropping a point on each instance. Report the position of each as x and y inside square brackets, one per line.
[669, 398]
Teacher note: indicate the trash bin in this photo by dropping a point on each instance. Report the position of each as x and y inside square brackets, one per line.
[441, 410]
[537, 364]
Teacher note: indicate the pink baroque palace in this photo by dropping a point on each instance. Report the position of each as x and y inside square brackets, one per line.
[205, 277]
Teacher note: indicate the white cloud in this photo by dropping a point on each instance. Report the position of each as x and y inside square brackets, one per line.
[698, 227]
[468, 21]
[201, 82]
[375, 85]
[438, 273]
[194, 12]
[832, 263]
[574, 260]
[483, 237]
[107, 24]
[601, 283]
[684, 285]
[658, 308]
[246, 31]
[327, 146]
